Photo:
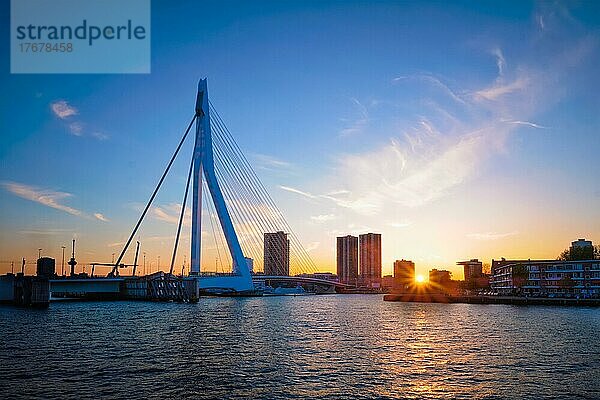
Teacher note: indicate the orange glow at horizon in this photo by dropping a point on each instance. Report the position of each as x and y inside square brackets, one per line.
[419, 279]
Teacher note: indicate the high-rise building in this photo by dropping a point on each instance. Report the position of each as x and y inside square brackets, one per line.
[404, 274]
[370, 259]
[582, 243]
[347, 259]
[473, 269]
[45, 267]
[277, 254]
[440, 277]
[581, 249]
[440, 281]
[388, 282]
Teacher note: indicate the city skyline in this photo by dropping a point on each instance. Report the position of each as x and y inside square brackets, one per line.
[300, 199]
[470, 143]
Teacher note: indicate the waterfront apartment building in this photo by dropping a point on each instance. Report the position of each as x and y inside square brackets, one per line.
[582, 243]
[404, 274]
[580, 249]
[440, 281]
[546, 277]
[370, 260]
[388, 282]
[472, 269]
[347, 259]
[440, 277]
[277, 254]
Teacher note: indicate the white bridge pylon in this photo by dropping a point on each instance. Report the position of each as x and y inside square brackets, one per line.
[204, 165]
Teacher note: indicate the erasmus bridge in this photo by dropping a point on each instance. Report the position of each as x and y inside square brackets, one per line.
[239, 211]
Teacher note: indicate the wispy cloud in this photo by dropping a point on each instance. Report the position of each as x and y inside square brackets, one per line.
[449, 142]
[502, 88]
[312, 246]
[43, 232]
[491, 235]
[365, 204]
[100, 136]
[62, 109]
[101, 217]
[527, 123]
[65, 112]
[161, 215]
[500, 61]
[170, 213]
[358, 123]
[540, 20]
[341, 198]
[422, 165]
[434, 82]
[357, 229]
[402, 224]
[164, 238]
[76, 128]
[322, 218]
[411, 172]
[48, 198]
[297, 191]
[270, 162]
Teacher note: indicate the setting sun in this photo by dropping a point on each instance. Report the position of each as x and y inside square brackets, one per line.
[419, 278]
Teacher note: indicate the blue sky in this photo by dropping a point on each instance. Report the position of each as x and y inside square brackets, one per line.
[457, 130]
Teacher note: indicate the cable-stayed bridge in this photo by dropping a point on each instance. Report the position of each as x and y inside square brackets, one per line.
[238, 208]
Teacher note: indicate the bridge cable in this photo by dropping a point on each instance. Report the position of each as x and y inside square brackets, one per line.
[183, 203]
[235, 213]
[294, 254]
[211, 215]
[304, 260]
[252, 230]
[242, 214]
[295, 242]
[115, 268]
[245, 202]
[248, 242]
[297, 250]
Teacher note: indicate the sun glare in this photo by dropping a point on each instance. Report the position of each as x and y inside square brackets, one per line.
[420, 278]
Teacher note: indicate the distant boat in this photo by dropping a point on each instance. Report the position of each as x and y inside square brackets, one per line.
[226, 292]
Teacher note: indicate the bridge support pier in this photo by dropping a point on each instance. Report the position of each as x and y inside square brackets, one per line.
[204, 167]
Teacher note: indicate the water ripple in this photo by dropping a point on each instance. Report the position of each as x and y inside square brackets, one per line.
[342, 346]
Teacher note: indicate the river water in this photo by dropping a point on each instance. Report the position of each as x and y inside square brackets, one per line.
[336, 346]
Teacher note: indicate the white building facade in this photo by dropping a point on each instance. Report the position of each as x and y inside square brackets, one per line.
[546, 278]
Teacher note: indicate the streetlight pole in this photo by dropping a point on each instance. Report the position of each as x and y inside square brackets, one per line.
[39, 253]
[63, 261]
[158, 265]
[144, 263]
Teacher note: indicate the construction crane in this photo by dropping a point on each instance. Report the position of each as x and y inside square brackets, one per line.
[115, 271]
